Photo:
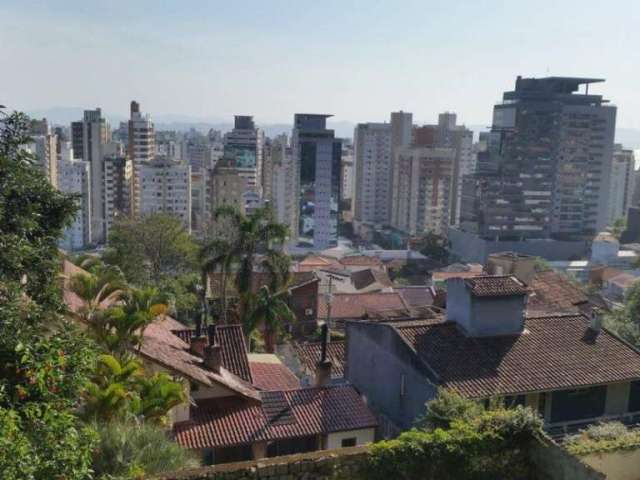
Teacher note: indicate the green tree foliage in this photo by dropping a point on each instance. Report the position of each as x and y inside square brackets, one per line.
[619, 225]
[236, 252]
[447, 407]
[131, 450]
[434, 246]
[626, 321]
[44, 362]
[151, 249]
[120, 389]
[33, 216]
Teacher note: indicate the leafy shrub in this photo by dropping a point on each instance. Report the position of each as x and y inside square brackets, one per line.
[131, 451]
[477, 445]
[447, 407]
[602, 438]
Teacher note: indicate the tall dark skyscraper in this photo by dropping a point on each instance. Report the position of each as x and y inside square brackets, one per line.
[546, 169]
[317, 154]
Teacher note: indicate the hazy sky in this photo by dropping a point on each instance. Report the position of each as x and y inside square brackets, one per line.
[356, 59]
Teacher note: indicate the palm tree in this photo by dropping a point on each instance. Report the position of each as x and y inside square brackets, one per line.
[268, 311]
[216, 255]
[158, 394]
[97, 291]
[112, 388]
[246, 237]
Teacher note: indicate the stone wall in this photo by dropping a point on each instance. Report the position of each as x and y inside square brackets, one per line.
[548, 461]
[340, 464]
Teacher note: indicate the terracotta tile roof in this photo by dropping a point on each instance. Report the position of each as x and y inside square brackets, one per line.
[73, 302]
[309, 355]
[417, 295]
[356, 305]
[623, 280]
[367, 277]
[170, 323]
[496, 286]
[284, 414]
[298, 279]
[552, 292]
[273, 376]
[313, 262]
[164, 348]
[360, 261]
[556, 351]
[233, 348]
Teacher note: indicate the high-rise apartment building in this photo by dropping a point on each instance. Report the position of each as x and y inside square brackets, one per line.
[43, 147]
[140, 149]
[96, 133]
[546, 172]
[77, 139]
[622, 184]
[165, 187]
[74, 178]
[245, 143]
[283, 199]
[373, 173]
[227, 186]
[423, 178]
[118, 177]
[317, 154]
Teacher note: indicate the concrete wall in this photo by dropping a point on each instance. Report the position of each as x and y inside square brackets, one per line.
[385, 370]
[617, 399]
[551, 462]
[618, 465]
[471, 248]
[362, 436]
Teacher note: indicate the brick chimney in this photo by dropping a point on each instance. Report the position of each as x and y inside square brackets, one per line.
[323, 367]
[198, 341]
[212, 352]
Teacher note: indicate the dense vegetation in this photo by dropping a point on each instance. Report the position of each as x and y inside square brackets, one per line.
[602, 438]
[459, 439]
[61, 386]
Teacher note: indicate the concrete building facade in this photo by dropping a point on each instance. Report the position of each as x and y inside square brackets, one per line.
[623, 180]
[74, 178]
[547, 168]
[422, 189]
[373, 173]
[317, 156]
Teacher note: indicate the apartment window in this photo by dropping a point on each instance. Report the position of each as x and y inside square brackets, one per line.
[349, 442]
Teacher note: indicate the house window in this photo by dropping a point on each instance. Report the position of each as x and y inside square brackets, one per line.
[349, 442]
[584, 403]
[634, 397]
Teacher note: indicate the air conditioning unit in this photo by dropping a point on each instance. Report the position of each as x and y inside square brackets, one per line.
[308, 311]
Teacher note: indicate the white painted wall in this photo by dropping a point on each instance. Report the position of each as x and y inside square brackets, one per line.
[363, 436]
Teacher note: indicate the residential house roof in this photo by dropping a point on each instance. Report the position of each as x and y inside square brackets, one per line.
[553, 292]
[361, 261]
[496, 286]
[555, 351]
[233, 348]
[417, 295]
[269, 373]
[164, 348]
[282, 415]
[358, 305]
[309, 355]
[370, 278]
[314, 262]
[623, 280]
[259, 279]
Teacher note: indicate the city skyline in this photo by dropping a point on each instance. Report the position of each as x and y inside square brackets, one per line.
[420, 57]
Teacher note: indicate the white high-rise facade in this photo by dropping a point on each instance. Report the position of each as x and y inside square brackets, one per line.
[165, 186]
[74, 178]
[283, 197]
[43, 148]
[96, 133]
[622, 183]
[373, 171]
[140, 149]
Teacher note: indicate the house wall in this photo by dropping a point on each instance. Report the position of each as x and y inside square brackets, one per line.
[497, 315]
[215, 391]
[617, 399]
[362, 436]
[616, 465]
[378, 363]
